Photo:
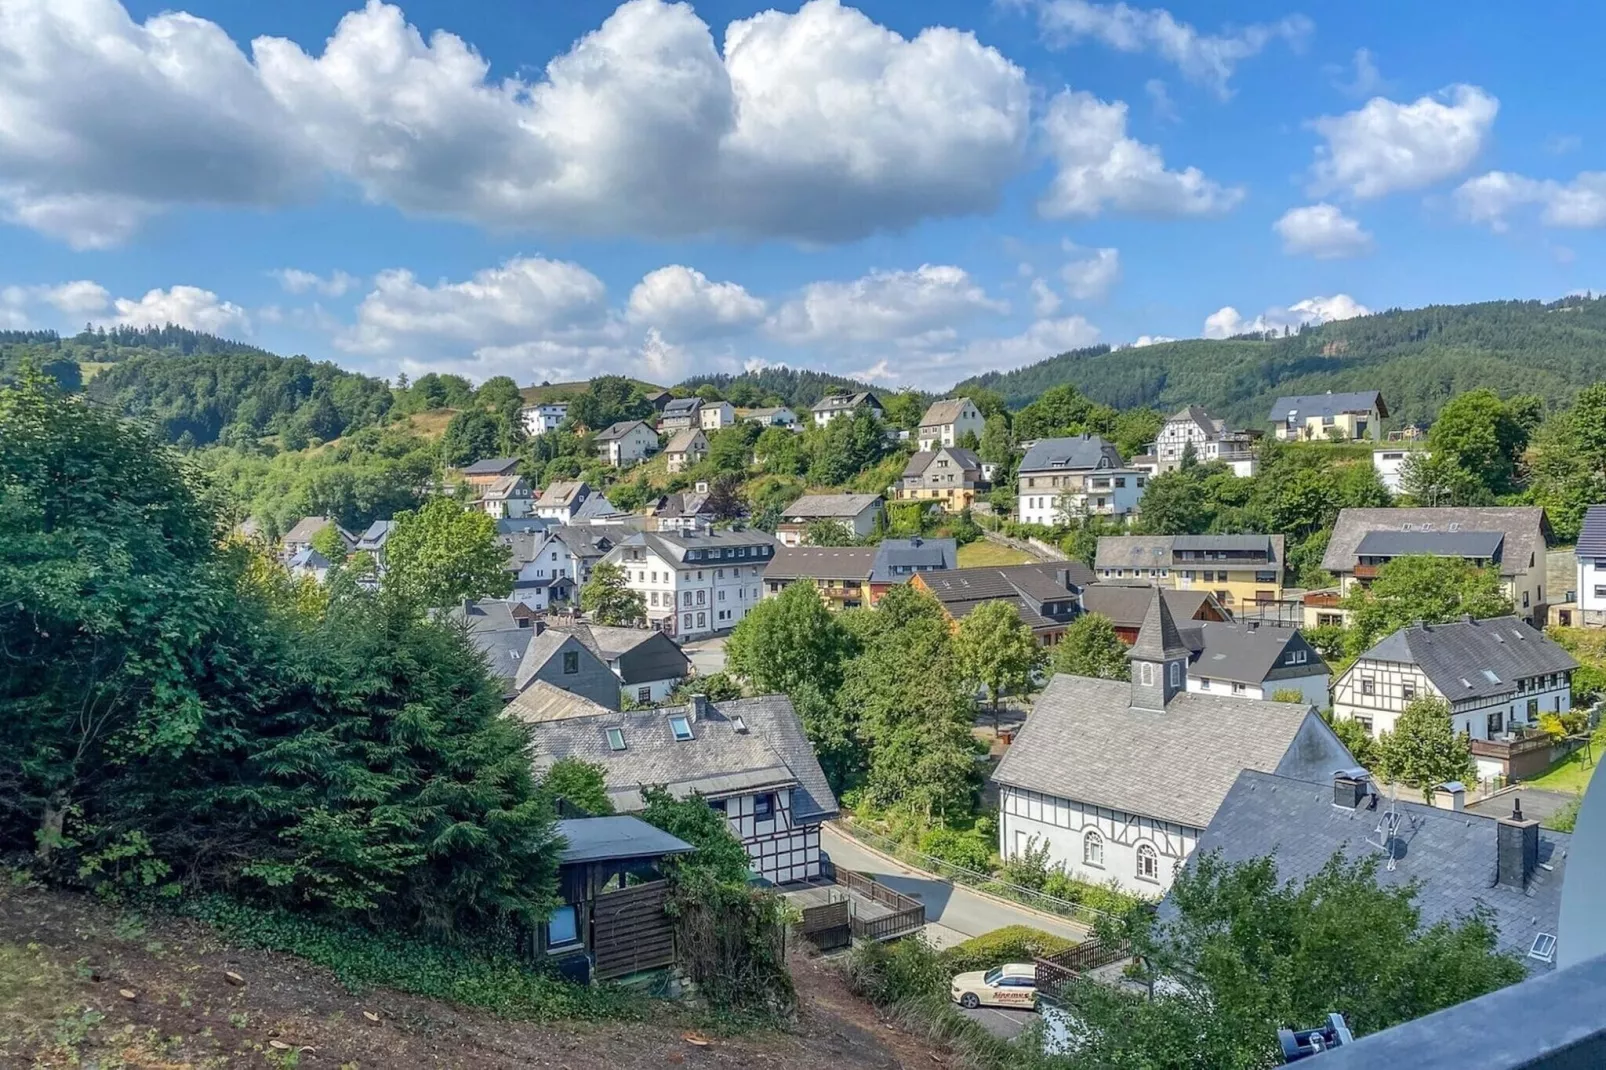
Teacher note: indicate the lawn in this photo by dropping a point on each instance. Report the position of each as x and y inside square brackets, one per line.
[981, 553]
[1571, 774]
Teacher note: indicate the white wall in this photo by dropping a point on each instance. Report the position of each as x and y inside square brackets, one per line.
[1313, 688]
[1390, 681]
[722, 593]
[1063, 823]
[779, 848]
[658, 690]
[1591, 573]
[1048, 505]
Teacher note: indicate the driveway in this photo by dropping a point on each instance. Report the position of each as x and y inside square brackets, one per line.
[1007, 1023]
[707, 655]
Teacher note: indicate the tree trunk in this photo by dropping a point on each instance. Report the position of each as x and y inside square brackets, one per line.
[52, 821]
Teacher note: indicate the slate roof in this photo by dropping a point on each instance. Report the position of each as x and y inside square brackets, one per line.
[308, 526]
[595, 507]
[719, 760]
[943, 412]
[821, 563]
[1450, 854]
[915, 554]
[1460, 657]
[684, 440]
[1030, 587]
[1249, 652]
[919, 462]
[510, 525]
[1083, 741]
[1468, 544]
[840, 402]
[621, 429]
[591, 542]
[1157, 637]
[539, 651]
[506, 487]
[837, 506]
[642, 654]
[1525, 528]
[1592, 538]
[542, 702]
[1080, 452]
[1304, 406]
[1126, 606]
[491, 466]
[1133, 551]
[1196, 414]
[376, 535]
[1223, 543]
[681, 503]
[307, 557]
[563, 492]
[674, 546]
[683, 407]
[616, 836]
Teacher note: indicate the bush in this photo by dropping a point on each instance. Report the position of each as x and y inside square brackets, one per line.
[1013, 943]
[1029, 866]
[964, 849]
[1563, 819]
[887, 974]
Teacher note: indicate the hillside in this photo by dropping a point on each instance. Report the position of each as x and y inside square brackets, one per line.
[796, 387]
[1418, 358]
[551, 392]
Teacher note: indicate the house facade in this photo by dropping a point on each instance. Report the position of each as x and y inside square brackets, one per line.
[508, 498]
[1590, 558]
[1498, 675]
[626, 443]
[695, 583]
[856, 514]
[946, 422]
[1389, 461]
[1240, 571]
[561, 499]
[647, 662]
[748, 758]
[1119, 779]
[539, 419]
[1064, 478]
[1210, 439]
[840, 574]
[686, 448]
[717, 414]
[1251, 659]
[1327, 417]
[947, 475]
[680, 414]
[831, 406]
[561, 558]
[1046, 597]
[777, 416]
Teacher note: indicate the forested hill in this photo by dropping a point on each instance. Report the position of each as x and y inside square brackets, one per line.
[1418, 358]
[794, 387]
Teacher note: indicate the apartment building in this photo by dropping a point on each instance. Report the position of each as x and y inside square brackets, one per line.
[1328, 417]
[1062, 479]
[695, 583]
[1239, 570]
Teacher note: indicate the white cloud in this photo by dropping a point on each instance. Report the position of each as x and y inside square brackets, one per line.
[683, 303]
[1367, 80]
[1045, 302]
[1322, 231]
[1150, 340]
[182, 306]
[1580, 203]
[1099, 166]
[1383, 146]
[1165, 109]
[1041, 340]
[1089, 277]
[1228, 321]
[296, 281]
[1208, 59]
[882, 306]
[80, 297]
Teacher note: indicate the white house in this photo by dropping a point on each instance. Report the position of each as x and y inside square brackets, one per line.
[508, 498]
[778, 416]
[539, 419]
[1210, 439]
[1061, 479]
[1497, 674]
[717, 414]
[570, 552]
[946, 422]
[561, 499]
[686, 449]
[831, 406]
[1390, 463]
[695, 583]
[626, 443]
[747, 757]
[1590, 555]
[681, 413]
[1119, 779]
[855, 513]
[1254, 659]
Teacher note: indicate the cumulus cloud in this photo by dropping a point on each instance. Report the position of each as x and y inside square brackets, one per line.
[1228, 321]
[1366, 79]
[1150, 340]
[296, 281]
[1384, 146]
[1208, 59]
[1091, 272]
[882, 306]
[1099, 166]
[1045, 302]
[1044, 338]
[81, 297]
[1490, 198]
[1322, 231]
[182, 306]
[683, 303]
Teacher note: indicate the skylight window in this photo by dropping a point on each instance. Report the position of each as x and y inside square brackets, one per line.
[616, 739]
[1488, 674]
[681, 727]
[1544, 948]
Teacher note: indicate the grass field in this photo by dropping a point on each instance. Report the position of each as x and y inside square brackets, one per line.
[1571, 774]
[982, 553]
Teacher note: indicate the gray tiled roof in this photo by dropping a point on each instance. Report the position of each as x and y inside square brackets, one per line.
[540, 649]
[514, 525]
[1592, 538]
[1081, 452]
[591, 542]
[1470, 544]
[1222, 543]
[376, 535]
[307, 557]
[595, 839]
[1304, 406]
[839, 402]
[308, 526]
[1459, 657]
[718, 760]
[966, 459]
[684, 439]
[913, 555]
[1030, 587]
[683, 407]
[1126, 605]
[1197, 414]
[563, 492]
[642, 654]
[1133, 551]
[1083, 741]
[596, 507]
[541, 702]
[1157, 638]
[491, 466]
[838, 506]
[674, 546]
[943, 412]
[620, 430]
[821, 563]
[1449, 854]
[1251, 652]
[1525, 528]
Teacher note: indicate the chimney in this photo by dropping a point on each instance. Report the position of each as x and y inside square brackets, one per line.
[699, 707]
[1350, 788]
[1451, 795]
[914, 540]
[539, 624]
[1063, 575]
[1516, 847]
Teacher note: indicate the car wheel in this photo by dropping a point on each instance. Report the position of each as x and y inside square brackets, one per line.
[969, 1001]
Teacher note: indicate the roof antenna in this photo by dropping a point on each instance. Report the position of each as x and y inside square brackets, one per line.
[1387, 826]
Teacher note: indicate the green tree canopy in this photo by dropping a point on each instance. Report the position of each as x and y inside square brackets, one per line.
[471, 435]
[443, 554]
[579, 784]
[997, 651]
[331, 544]
[608, 600]
[1414, 588]
[1484, 435]
[719, 853]
[789, 641]
[1091, 647]
[1424, 750]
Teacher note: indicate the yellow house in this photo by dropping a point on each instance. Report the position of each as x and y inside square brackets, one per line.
[1243, 572]
[949, 475]
[1329, 416]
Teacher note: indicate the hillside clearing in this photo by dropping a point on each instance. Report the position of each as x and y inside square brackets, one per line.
[983, 553]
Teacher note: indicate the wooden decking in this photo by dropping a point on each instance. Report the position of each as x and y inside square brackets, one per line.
[874, 911]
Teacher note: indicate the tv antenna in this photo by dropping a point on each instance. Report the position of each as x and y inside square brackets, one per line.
[1388, 826]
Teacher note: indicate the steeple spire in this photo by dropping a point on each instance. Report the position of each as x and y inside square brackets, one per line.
[1159, 658]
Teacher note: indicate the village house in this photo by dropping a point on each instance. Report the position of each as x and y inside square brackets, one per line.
[1500, 865]
[1498, 675]
[1046, 596]
[301, 534]
[538, 583]
[1119, 779]
[716, 414]
[626, 443]
[1253, 659]
[539, 419]
[1389, 461]
[748, 758]
[683, 510]
[1064, 478]
[685, 449]
[372, 541]
[946, 423]
[1590, 558]
[1211, 441]
[949, 476]
[507, 497]
[1327, 417]
[658, 399]
[1243, 572]
[559, 501]
[776, 416]
[695, 583]
[307, 563]
[1509, 539]
[520, 648]
[831, 406]
[680, 414]
[1126, 606]
[571, 551]
[484, 473]
[647, 662]
[856, 514]
[597, 509]
[847, 577]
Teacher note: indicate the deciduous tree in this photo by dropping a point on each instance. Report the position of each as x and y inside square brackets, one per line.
[607, 598]
[442, 554]
[1424, 750]
[1421, 588]
[1091, 647]
[997, 651]
[789, 641]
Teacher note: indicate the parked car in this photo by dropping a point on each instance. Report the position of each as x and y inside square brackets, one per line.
[1013, 984]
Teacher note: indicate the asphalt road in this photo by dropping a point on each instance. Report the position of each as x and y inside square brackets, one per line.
[1001, 1022]
[707, 655]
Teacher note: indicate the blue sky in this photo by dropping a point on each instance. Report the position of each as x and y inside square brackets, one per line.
[908, 192]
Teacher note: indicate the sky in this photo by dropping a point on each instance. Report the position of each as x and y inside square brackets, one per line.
[910, 193]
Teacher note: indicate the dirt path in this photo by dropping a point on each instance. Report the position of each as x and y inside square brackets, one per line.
[66, 962]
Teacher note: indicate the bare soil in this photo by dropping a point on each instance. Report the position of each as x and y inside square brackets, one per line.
[83, 984]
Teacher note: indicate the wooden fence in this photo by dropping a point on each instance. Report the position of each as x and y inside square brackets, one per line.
[828, 926]
[908, 914]
[1055, 972]
[630, 930]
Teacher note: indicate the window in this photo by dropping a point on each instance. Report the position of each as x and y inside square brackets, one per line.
[1407, 692]
[1148, 863]
[1176, 674]
[1093, 849]
[1147, 673]
[1298, 657]
[764, 806]
[1204, 683]
[702, 620]
[1368, 686]
[702, 596]
[643, 695]
[1533, 709]
[616, 739]
[1544, 948]
[681, 728]
[717, 804]
[686, 601]
[571, 662]
[1494, 723]
[563, 927]
[686, 621]
[1238, 689]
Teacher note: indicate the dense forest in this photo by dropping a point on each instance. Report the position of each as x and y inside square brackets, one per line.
[795, 387]
[1418, 358]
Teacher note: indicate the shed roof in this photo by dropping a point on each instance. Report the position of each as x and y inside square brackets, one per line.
[616, 836]
[492, 466]
[1592, 538]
